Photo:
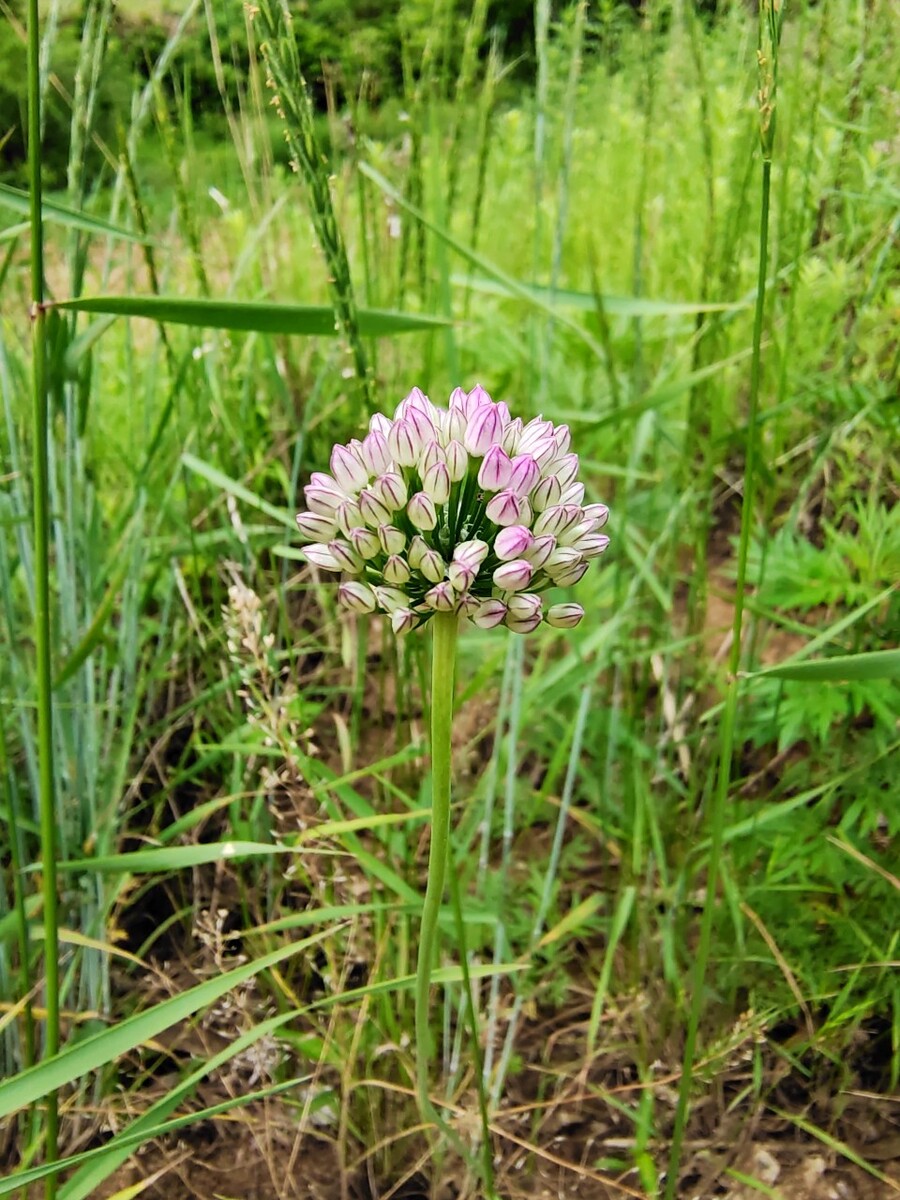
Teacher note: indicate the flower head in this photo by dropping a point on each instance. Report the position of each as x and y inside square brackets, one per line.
[459, 509]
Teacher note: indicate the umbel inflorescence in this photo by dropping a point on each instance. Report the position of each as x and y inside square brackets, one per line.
[460, 509]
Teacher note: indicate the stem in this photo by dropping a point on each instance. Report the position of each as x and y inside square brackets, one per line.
[42, 587]
[443, 667]
[445, 626]
[729, 719]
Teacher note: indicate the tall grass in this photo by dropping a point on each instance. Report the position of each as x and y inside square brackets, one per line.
[642, 807]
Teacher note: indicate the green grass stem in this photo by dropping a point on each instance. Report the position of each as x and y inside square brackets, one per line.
[41, 513]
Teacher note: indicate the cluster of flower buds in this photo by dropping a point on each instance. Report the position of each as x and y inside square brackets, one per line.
[461, 509]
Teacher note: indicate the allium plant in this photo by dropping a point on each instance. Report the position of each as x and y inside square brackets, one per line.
[455, 516]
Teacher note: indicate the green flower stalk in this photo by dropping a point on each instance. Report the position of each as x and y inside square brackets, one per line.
[459, 517]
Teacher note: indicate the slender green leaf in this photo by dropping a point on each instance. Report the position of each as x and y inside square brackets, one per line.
[103, 1048]
[219, 479]
[620, 306]
[20, 201]
[251, 316]
[876, 664]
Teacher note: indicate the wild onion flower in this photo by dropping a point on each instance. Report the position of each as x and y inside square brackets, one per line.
[463, 510]
[452, 515]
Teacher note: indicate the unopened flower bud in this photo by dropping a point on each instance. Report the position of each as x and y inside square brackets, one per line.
[436, 482]
[471, 554]
[524, 606]
[484, 428]
[348, 471]
[391, 598]
[590, 545]
[391, 539]
[432, 566]
[441, 598]
[421, 511]
[364, 542]
[495, 470]
[513, 542]
[541, 549]
[316, 527]
[546, 494]
[598, 513]
[323, 498]
[489, 614]
[513, 576]
[566, 469]
[457, 460]
[460, 577]
[356, 597]
[396, 572]
[431, 454]
[345, 556]
[349, 516]
[402, 620]
[564, 616]
[392, 490]
[524, 474]
[376, 453]
[405, 445]
[526, 625]
[504, 509]
[570, 575]
[418, 547]
[373, 510]
[572, 493]
[321, 556]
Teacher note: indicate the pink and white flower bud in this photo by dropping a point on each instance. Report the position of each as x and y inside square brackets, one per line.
[316, 527]
[598, 513]
[569, 576]
[404, 444]
[485, 427]
[324, 496]
[526, 625]
[579, 529]
[544, 452]
[364, 542]
[457, 460]
[421, 511]
[372, 509]
[505, 508]
[563, 438]
[471, 554]
[489, 614]
[376, 453]
[547, 494]
[396, 572]
[541, 549]
[418, 547]
[379, 423]
[566, 469]
[422, 424]
[345, 556]
[476, 398]
[402, 620]
[456, 425]
[391, 599]
[524, 474]
[457, 399]
[572, 493]
[432, 453]
[432, 566]
[537, 430]
[441, 598]
[513, 542]
[349, 516]
[321, 556]
[524, 606]
[392, 490]
[556, 519]
[495, 470]
[416, 398]
[511, 434]
[436, 482]
[391, 539]
[590, 545]
[460, 577]
[513, 576]
[356, 597]
[564, 616]
[561, 559]
[347, 469]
